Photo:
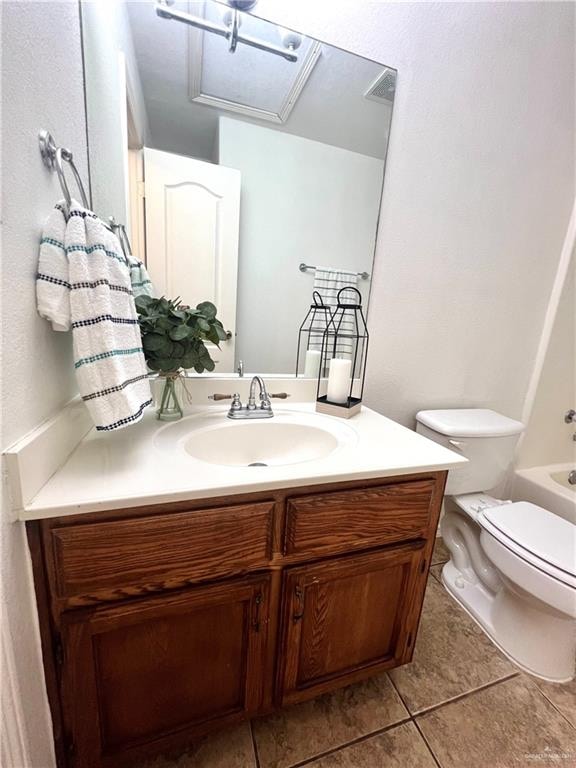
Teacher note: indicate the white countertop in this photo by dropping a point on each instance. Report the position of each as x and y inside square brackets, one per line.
[128, 468]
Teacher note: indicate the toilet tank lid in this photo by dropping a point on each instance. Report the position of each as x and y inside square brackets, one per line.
[470, 422]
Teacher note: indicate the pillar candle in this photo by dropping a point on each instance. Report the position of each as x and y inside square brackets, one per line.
[339, 380]
[312, 364]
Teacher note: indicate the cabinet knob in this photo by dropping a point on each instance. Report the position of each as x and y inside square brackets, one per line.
[299, 595]
[256, 619]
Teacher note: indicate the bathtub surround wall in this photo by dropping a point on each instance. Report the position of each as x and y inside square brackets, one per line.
[319, 205]
[548, 439]
[42, 87]
[478, 191]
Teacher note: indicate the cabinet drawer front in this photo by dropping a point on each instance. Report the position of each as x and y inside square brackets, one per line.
[150, 553]
[333, 522]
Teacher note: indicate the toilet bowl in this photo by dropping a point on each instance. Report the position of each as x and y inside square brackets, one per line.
[512, 566]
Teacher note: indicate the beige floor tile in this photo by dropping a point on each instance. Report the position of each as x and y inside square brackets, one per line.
[305, 730]
[229, 748]
[452, 655]
[436, 571]
[400, 747]
[440, 553]
[562, 695]
[509, 725]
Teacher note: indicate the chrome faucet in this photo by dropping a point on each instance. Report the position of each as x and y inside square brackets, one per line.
[251, 410]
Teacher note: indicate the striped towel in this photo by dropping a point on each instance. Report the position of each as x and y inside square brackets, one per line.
[328, 282]
[139, 277]
[53, 284]
[84, 284]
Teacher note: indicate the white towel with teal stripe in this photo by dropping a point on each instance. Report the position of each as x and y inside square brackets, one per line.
[139, 277]
[84, 284]
[53, 279]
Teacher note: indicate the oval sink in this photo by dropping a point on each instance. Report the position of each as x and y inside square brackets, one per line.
[285, 439]
[257, 443]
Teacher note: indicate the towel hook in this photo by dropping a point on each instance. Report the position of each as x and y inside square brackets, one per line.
[53, 158]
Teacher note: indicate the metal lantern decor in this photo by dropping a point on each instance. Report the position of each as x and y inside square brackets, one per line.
[343, 357]
[310, 337]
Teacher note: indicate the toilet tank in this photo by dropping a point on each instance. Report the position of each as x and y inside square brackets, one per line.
[486, 438]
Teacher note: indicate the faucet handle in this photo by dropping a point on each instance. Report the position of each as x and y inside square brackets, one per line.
[236, 404]
[265, 404]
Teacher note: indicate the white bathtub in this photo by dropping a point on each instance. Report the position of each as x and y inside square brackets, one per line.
[548, 487]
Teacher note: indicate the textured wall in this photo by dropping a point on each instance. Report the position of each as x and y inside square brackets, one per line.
[42, 87]
[477, 197]
[478, 191]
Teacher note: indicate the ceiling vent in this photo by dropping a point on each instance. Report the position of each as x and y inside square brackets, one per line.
[383, 88]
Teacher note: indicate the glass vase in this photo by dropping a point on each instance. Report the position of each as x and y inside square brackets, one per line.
[170, 408]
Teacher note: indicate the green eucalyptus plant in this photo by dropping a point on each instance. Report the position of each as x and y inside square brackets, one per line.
[173, 334]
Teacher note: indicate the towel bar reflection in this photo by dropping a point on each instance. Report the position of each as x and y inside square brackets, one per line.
[362, 275]
[53, 157]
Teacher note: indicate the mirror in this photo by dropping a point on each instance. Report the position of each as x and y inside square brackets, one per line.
[238, 173]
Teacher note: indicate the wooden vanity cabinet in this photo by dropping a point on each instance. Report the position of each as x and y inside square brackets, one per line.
[148, 671]
[160, 624]
[347, 619]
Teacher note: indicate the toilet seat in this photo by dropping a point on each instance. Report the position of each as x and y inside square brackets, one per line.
[544, 540]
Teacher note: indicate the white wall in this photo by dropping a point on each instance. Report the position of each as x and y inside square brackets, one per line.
[42, 87]
[548, 439]
[478, 190]
[301, 201]
[106, 32]
[477, 196]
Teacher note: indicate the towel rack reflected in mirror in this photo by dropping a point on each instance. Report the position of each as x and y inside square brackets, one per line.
[54, 157]
[362, 275]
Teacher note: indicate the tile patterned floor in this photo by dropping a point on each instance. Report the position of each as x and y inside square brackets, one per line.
[459, 704]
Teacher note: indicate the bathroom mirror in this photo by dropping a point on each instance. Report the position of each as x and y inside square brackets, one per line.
[236, 172]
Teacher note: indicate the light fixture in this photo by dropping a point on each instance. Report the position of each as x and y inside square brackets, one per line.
[229, 17]
[242, 5]
[230, 30]
[290, 39]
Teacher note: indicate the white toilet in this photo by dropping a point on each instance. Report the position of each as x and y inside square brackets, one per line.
[512, 565]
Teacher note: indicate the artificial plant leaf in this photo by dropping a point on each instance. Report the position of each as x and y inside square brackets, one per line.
[208, 363]
[212, 336]
[154, 342]
[180, 332]
[163, 323]
[167, 364]
[208, 309]
[143, 302]
[178, 350]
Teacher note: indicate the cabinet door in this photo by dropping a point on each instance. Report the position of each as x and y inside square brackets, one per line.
[348, 618]
[143, 676]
